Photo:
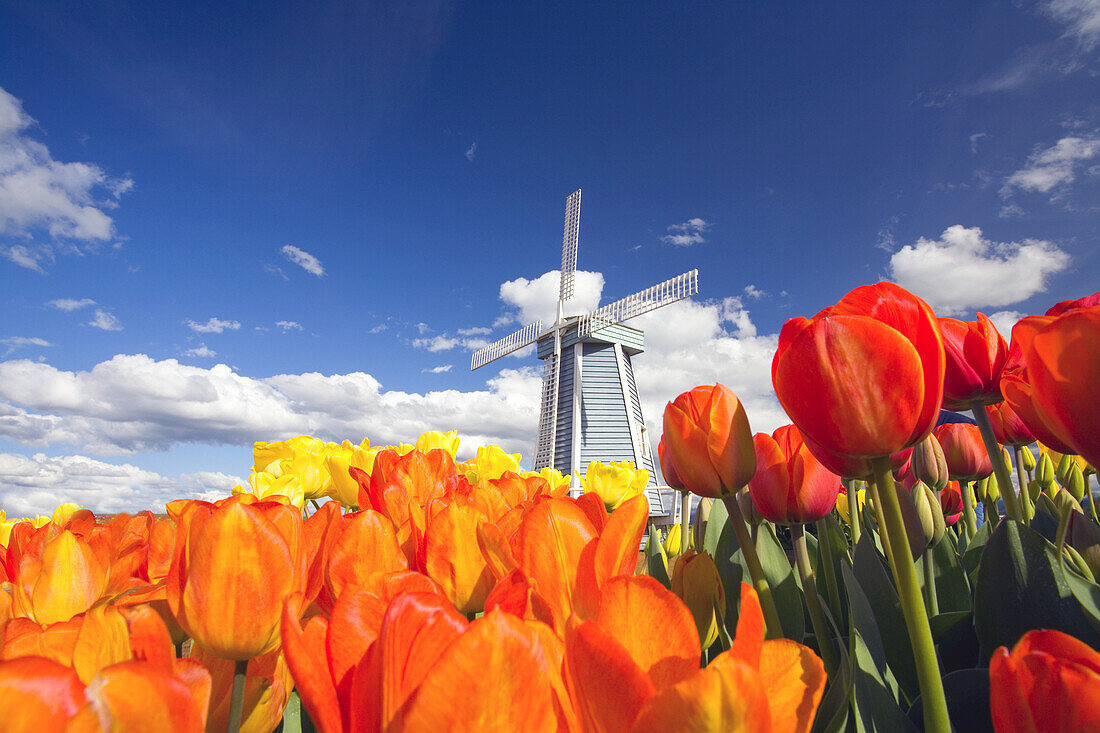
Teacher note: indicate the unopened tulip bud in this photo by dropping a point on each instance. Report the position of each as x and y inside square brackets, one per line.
[1084, 536]
[1028, 458]
[939, 525]
[748, 509]
[1062, 469]
[1075, 483]
[1064, 501]
[696, 581]
[1044, 472]
[929, 464]
[672, 540]
[917, 514]
[1034, 488]
[699, 523]
[988, 490]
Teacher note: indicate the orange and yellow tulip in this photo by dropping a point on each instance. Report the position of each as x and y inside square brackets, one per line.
[709, 442]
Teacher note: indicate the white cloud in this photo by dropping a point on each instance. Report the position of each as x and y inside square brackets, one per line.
[40, 195]
[133, 403]
[214, 325]
[202, 351]
[754, 292]
[35, 485]
[303, 259]
[70, 304]
[531, 300]
[1005, 320]
[1055, 166]
[471, 152]
[443, 342]
[687, 234]
[441, 369]
[288, 326]
[105, 321]
[474, 331]
[974, 140]
[18, 342]
[1081, 18]
[962, 270]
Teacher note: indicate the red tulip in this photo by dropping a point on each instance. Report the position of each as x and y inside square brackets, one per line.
[790, 485]
[1049, 683]
[708, 439]
[964, 451]
[1017, 388]
[951, 503]
[1063, 366]
[863, 378]
[976, 353]
[1007, 426]
[1067, 305]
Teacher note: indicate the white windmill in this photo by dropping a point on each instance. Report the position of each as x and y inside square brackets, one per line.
[590, 407]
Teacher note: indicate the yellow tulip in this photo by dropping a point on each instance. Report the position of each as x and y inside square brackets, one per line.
[672, 541]
[696, 581]
[490, 463]
[842, 504]
[559, 483]
[435, 439]
[345, 489]
[614, 482]
[264, 484]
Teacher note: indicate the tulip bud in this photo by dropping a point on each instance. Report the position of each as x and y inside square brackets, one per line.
[1044, 473]
[699, 523]
[748, 509]
[920, 525]
[929, 464]
[672, 541]
[1062, 469]
[939, 525]
[1064, 502]
[1084, 536]
[1028, 458]
[696, 581]
[988, 490]
[1034, 489]
[1075, 482]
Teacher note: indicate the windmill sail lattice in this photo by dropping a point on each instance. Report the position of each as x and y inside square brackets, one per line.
[589, 406]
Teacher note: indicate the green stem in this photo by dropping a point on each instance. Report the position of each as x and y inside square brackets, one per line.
[825, 551]
[1025, 497]
[969, 518]
[883, 536]
[1092, 499]
[756, 571]
[1012, 504]
[236, 702]
[685, 522]
[855, 514]
[936, 718]
[991, 513]
[813, 602]
[930, 583]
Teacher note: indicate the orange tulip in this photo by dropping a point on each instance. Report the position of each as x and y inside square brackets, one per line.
[976, 353]
[453, 558]
[951, 503]
[790, 486]
[1050, 682]
[38, 695]
[232, 568]
[266, 689]
[1007, 426]
[1017, 388]
[1063, 365]
[865, 377]
[63, 579]
[708, 439]
[964, 451]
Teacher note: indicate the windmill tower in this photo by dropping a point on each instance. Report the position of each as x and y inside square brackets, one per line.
[590, 407]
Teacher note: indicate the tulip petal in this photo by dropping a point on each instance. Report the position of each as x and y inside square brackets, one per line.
[749, 638]
[354, 625]
[548, 545]
[720, 698]
[367, 545]
[306, 657]
[608, 687]
[38, 695]
[794, 679]
[453, 558]
[145, 698]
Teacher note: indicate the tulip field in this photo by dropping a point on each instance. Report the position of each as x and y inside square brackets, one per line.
[863, 568]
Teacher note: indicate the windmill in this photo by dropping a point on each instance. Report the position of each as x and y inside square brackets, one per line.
[590, 410]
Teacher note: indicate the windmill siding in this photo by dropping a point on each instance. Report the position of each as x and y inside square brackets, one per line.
[563, 448]
[605, 429]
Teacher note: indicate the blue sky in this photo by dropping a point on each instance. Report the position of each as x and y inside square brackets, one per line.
[222, 223]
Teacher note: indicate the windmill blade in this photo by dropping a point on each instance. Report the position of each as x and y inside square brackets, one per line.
[508, 344]
[644, 301]
[569, 244]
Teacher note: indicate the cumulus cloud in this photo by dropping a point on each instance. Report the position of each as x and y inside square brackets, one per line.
[443, 342]
[531, 300]
[105, 321]
[35, 485]
[70, 304]
[202, 351]
[133, 403]
[751, 291]
[962, 270]
[303, 259]
[1004, 321]
[43, 196]
[475, 331]
[441, 369]
[471, 152]
[287, 326]
[1053, 167]
[214, 325]
[686, 234]
[15, 343]
[1081, 19]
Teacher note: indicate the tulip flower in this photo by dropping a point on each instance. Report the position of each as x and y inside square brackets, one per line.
[1049, 682]
[696, 582]
[951, 503]
[976, 354]
[1008, 428]
[437, 439]
[614, 482]
[791, 486]
[963, 450]
[63, 579]
[843, 503]
[490, 462]
[707, 437]
[930, 464]
[233, 566]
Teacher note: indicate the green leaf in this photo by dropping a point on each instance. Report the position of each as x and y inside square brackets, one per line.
[874, 578]
[783, 581]
[967, 693]
[1021, 586]
[1087, 594]
[838, 544]
[944, 622]
[952, 586]
[972, 555]
[717, 523]
[864, 622]
[876, 707]
[832, 713]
